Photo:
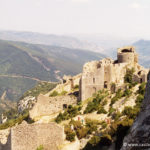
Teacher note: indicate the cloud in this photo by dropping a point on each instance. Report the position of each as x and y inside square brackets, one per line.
[135, 5]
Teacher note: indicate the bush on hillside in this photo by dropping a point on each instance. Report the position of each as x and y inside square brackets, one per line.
[130, 112]
[129, 76]
[54, 93]
[127, 93]
[14, 121]
[91, 125]
[68, 114]
[118, 95]
[70, 135]
[95, 104]
[41, 147]
[101, 110]
[142, 89]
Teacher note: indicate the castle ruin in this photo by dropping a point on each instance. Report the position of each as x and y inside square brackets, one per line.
[102, 74]
[31, 136]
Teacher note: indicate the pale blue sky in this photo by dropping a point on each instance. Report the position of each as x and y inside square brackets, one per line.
[115, 17]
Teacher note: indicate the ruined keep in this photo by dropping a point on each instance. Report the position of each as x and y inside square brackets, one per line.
[31, 136]
[104, 73]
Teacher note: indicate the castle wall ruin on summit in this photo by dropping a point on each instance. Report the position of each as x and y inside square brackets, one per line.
[102, 74]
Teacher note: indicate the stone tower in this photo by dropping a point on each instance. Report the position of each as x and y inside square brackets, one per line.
[127, 55]
[98, 75]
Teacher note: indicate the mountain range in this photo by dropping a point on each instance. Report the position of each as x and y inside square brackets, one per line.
[22, 65]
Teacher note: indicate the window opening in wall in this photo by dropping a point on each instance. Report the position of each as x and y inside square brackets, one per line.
[93, 80]
[105, 84]
[64, 106]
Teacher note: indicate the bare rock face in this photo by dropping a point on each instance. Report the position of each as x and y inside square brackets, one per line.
[139, 135]
[26, 103]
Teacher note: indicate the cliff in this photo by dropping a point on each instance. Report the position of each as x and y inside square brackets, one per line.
[139, 135]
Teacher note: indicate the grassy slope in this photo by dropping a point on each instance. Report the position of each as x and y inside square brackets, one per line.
[17, 58]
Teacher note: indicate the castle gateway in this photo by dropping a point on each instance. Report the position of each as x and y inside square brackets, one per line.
[103, 74]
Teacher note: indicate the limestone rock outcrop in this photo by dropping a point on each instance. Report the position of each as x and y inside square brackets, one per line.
[139, 135]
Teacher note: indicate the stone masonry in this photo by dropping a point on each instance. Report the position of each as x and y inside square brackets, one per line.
[46, 106]
[31, 136]
[102, 74]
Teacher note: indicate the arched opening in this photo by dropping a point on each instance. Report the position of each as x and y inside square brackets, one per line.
[141, 80]
[105, 85]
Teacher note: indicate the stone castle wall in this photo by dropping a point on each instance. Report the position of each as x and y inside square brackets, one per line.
[31, 136]
[68, 83]
[101, 74]
[46, 106]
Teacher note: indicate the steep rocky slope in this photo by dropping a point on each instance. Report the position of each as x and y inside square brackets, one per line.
[139, 135]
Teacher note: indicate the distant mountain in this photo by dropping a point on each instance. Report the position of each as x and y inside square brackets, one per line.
[143, 49]
[22, 65]
[49, 39]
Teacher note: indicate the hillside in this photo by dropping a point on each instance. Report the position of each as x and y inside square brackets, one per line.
[22, 65]
[98, 123]
[91, 111]
[143, 47]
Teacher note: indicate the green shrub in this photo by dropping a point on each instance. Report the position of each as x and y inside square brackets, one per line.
[91, 107]
[118, 95]
[40, 147]
[116, 116]
[104, 103]
[102, 110]
[82, 133]
[76, 124]
[63, 93]
[94, 105]
[130, 112]
[54, 93]
[76, 86]
[94, 140]
[127, 93]
[91, 125]
[18, 120]
[68, 114]
[111, 110]
[103, 124]
[139, 100]
[129, 75]
[70, 135]
[142, 89]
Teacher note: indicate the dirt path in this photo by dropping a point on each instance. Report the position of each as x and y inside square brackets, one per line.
[19, 76]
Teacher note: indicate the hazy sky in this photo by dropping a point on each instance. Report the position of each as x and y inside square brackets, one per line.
[115, 17]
